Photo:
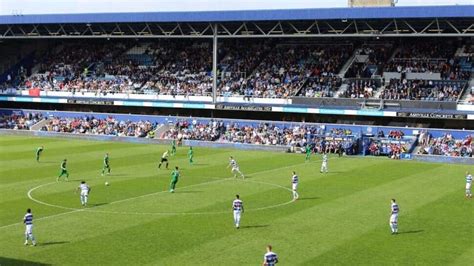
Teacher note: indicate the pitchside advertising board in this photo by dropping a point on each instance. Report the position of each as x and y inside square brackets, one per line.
[244, 108]
[431, 115]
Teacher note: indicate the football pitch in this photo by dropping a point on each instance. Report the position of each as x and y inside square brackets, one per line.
[341, 217]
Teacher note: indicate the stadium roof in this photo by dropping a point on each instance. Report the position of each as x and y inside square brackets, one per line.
[462, 11]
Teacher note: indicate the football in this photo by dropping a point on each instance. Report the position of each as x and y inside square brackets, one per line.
[106, 183]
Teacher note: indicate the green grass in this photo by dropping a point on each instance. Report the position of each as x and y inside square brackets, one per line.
[341, 218]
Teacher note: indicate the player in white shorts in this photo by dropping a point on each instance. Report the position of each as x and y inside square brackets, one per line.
[235, 167]
[324, 165]
[294, 184]
[238, 209]
[394, 217]
[468, 185]
[28, 221]
[85, 190]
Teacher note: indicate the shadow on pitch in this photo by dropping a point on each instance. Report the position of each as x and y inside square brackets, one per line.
[47, 162]
[10, 261]
[98, 204]
[53, 243]
[254, 226]
[411, 232]
[190, 191]
[309, 198]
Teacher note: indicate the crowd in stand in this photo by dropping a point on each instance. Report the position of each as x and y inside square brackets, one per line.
[260, 69]
[376, 56]
[195, 130]
[266, 70]
[177, 68]
[360, 88]
[420, 90]
[446, 145]
[321, 139]
[22, 121]
[238, 62]
[317, 87]
[428, 57]
[299, 136]
[97, 126]
[391, 144]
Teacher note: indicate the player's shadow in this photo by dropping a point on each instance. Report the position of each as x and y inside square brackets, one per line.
[190, 191]
[254, 226]
[411, 232]
[98, 204]
[10, 261]
[53, 243]
[309, 198]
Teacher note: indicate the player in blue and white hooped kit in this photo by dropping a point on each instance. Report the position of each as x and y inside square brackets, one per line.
[294, 184]
[270, 258]
[468, 185]
[394, 217]
[235, 167]
[324, 164]
[238, 209]
[28, 221]
[84, 189]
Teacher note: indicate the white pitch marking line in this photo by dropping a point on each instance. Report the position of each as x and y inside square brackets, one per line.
[79, 210]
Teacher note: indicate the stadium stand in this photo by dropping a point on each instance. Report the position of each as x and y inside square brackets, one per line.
[95, 126]
[21, 121]
[427, 90]
[446, 145]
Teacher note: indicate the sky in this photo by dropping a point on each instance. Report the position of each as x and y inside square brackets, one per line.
[25, 7]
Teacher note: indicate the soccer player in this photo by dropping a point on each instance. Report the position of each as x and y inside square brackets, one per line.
[191, 154]
[235, 167]
[174, 179]
[173, 147]
[85, 190]
[238, 208]
[106, 165]
[63, 171]
[308, 152]
[468, 185]
[270, 258]
[324, 165]
[294, 183]
[394, 217]
[39, 150]
[164, 158]
[28, 221]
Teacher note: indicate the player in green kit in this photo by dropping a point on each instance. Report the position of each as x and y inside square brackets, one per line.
[39, 150]
[173, 147]
[174, 179]
[63, 171]
[308, 152]
[190, 154]
[106, 165]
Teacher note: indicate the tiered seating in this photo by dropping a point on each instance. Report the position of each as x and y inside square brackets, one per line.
[447, 145]
[360, 88]
[391, 144]
[430, 90]
[95, 126]
[22, 121]
[377, 55]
